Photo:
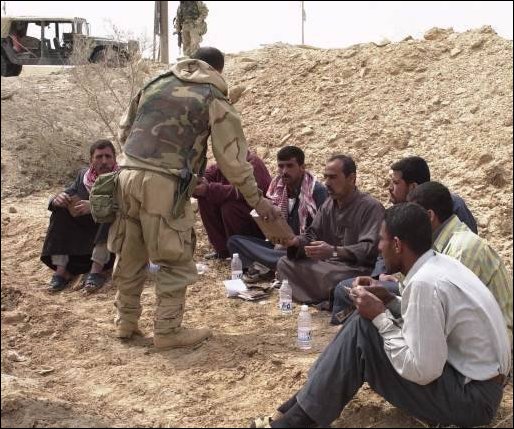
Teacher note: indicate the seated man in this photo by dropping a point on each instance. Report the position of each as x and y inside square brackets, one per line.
[453, 238]
[441, 352]
[223, 209]
[412, 171]
[74, 243]
[341, 242]
[405, 175]
[299, 196]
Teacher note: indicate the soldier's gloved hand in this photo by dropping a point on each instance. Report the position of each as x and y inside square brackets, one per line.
[267, 210]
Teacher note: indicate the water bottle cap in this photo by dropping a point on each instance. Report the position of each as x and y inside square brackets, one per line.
[235, 255]
[304, 307]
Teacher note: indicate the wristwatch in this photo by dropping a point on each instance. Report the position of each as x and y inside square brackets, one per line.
[334, 252]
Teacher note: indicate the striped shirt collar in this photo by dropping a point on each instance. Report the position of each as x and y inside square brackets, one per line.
[445, 232]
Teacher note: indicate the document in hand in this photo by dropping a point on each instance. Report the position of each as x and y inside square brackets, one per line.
[276, 230]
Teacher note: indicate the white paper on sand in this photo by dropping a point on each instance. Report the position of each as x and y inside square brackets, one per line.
[234, 287]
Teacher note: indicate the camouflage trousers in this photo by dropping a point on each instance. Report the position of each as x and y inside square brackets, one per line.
[144, 230]
[191, 38]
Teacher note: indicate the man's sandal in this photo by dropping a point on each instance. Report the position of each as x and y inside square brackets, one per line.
[94, 281]
[261, 422]
[58, 283]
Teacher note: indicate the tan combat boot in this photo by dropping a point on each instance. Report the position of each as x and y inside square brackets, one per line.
[126, 333]
[126, 330]
[181, 337]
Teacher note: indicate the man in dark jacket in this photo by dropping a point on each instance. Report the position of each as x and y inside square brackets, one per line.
[74, 243]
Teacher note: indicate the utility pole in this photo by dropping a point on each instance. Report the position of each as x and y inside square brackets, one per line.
[303, 22]
[161, 29]
[156, 26]
[164, 40]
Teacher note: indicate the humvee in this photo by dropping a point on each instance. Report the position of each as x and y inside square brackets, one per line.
[57, 41]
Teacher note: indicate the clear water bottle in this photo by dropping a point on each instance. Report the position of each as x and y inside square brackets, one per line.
[285, 298]
[153, 268]
[304, 328]
[236, 267]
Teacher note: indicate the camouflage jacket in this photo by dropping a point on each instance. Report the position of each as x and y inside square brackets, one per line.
[191, 11]
[167, 124]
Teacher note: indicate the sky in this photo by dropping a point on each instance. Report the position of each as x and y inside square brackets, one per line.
[237, 26]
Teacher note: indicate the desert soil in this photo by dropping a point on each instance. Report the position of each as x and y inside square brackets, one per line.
[447, 97]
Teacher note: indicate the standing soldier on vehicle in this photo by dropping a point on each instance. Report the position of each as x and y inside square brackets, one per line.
[164, 135]
[190, 25]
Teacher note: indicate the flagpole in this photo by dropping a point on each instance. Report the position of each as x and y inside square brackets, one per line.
[303, 21]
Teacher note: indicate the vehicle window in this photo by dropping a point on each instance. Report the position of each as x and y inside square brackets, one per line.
[65, 32]
[34, 30]
[81, 28]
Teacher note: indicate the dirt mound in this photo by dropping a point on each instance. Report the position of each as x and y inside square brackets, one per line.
[447, 98]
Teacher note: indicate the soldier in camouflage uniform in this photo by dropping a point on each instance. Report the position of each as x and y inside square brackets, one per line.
[190, 25]
[164, 135]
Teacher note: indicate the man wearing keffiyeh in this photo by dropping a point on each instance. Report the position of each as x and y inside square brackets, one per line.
[298, 195]
[74, 243]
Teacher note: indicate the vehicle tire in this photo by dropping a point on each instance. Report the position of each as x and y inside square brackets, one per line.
[106, 56]
[16, 69]
[5, 66]
[10, 69]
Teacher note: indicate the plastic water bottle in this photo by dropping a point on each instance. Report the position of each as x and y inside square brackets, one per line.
[304, 328]
[285, 298]
[153, 268]
[236, 267]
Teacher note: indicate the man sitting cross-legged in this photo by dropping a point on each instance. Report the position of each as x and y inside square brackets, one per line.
[298, 195]
[341, 242]
[223, 209]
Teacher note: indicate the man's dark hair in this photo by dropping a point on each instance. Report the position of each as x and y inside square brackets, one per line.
[349, 166]
[414, 169]
[411, 224]
[101, 144]
[289, 152]
[433, 196]
[212, 56]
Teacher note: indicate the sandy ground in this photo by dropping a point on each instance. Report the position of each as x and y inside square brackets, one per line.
[447, 98]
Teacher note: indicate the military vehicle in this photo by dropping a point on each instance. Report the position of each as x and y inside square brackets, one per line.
[57, 41]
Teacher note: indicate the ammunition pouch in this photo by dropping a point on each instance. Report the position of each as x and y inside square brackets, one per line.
[102, 198]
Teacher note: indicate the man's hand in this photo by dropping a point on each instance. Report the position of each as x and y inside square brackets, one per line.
[364, 281]
[82, 207]
[373, 286]
[266, 210]
[61, 200]
[387, 278]
[319, 250]
[293, 241]
[201, 188]
[366, 303]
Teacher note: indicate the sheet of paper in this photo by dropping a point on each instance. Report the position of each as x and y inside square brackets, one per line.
[273, 230]
[233, 287]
